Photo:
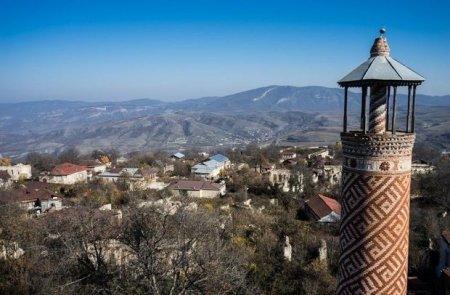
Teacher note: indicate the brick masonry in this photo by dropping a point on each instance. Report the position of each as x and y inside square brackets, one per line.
[375, 213]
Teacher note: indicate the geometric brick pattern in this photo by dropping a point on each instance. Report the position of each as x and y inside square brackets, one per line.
[374, 233]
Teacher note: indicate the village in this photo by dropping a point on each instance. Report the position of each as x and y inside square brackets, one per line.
[201, 176]
[246, 191]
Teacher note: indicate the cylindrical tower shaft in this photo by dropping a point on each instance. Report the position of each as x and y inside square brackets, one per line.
[375, 213]
[377, 112]
[376, 178]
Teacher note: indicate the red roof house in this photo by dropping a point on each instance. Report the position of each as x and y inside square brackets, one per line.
[67, 173]
[323, 209]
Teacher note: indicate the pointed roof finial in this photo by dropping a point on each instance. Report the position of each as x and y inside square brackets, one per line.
[380, 47]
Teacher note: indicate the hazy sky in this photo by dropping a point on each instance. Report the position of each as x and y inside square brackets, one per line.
[116, 50]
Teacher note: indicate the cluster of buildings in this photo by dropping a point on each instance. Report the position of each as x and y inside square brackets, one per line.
[206, 181]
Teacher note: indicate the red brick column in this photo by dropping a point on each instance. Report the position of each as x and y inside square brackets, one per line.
[375, 213]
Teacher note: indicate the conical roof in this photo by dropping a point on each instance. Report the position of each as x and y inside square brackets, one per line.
[381, 68]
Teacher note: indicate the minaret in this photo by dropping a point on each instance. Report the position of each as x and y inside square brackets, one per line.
[376, 178]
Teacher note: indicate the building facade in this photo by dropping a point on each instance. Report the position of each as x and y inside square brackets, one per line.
[17, 171]
[66, 173]
[197, 189]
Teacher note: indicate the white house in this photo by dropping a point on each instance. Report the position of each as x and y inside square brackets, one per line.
[17, 171]
[223, 160]
[422, 168]
[320, 153]
[287, 155]
[66, 173]
[212, 167]
[208, 169]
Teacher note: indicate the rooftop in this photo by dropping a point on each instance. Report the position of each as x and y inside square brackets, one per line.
[381, 67]
[219, 158]
[322, 206]
[178, 155]
[29, 191]
[66, 169]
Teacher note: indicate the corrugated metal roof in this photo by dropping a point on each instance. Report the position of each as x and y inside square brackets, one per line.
[178, 155]
[382, 68]
[219, 158]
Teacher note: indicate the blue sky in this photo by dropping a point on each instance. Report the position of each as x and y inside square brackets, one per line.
[170, 50]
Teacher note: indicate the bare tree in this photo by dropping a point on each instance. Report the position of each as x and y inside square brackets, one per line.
[182, 253]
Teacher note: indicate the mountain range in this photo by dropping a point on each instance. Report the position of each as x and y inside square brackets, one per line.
[259, 115]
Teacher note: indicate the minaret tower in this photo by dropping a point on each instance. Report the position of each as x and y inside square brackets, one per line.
[376, 178]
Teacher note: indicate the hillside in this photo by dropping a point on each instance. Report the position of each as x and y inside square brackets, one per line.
[268, 114]
[170, 131]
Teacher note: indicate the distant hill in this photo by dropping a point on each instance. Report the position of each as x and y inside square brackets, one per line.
[170, 131]
[257, 115]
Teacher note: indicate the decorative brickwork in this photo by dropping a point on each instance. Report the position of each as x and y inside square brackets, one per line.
[375, 213]
[377, 119]
[376, 178]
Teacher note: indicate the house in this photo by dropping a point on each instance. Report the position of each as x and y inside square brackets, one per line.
[132, 177]
[115, 174]
[211, 168]
[66, 173]
[17, 171]
[34, 196]
[177, 156]
[323, 209]
[149, 174]
[320, 153]
[198, 189]
[223, 160]
[5, 179]
[422, 168]
[287, 155]
[93, 166]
